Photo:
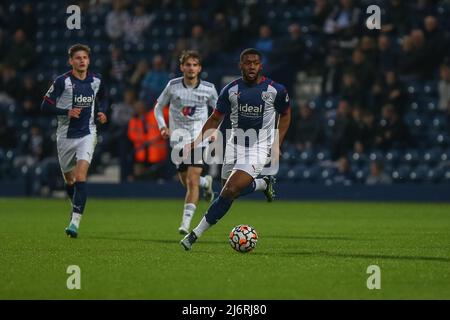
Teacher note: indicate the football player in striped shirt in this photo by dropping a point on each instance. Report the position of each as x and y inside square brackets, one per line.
[72, 99]
[188, 98]
[253, 103]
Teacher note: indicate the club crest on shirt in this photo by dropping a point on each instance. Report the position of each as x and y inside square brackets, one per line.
[188, 111]
[267, 97]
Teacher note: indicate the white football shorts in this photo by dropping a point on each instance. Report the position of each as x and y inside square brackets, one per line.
[72, 150]
[249, 159]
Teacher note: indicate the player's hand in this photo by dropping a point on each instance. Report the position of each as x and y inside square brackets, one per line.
[165, 133]
[74, 113]
[101, 117]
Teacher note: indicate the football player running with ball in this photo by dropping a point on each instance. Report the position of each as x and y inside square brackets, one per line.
[253, 103]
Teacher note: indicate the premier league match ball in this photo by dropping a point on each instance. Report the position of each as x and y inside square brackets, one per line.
[243, 238]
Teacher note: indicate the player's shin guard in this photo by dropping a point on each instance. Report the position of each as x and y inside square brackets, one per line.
[217, 210]
[79, 197]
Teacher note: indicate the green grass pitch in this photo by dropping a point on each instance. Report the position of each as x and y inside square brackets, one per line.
[129, 249]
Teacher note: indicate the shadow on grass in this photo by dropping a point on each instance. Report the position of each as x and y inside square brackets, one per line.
[290, 253]
[355, 256]
[166, 241]
[308, 237]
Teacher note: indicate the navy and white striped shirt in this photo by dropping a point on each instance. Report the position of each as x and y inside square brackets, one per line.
[69, 92]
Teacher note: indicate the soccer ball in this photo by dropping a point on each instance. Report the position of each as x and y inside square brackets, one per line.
[243, 238]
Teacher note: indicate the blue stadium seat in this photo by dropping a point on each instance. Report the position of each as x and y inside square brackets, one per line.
[432, 156]
[311, 174]
[419, 174]
[306, 156]
[430, 88]
[392, 156]
[358, 159]
[439, 121]
[401, 173]
[411, 157]
[295, 172]
[445, 155]
[323, 155]
[362, 174]
[376, 155]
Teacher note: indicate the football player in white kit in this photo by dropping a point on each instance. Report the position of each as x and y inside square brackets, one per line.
[188, 98]
[72, 98]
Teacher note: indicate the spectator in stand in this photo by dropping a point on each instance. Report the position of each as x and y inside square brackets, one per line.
[264, 43]
[362, 69]
[30, 96]
[363, 122]
[343, 23]
[137, 24]
[150, 149]
[284, 62]
[7, 134]
[343, 174]
[197, 41]
[154, 81]
[117, 20]
[397, 20]
[444, 87]
[394, 92]
[368, 48]
[332, 75]
[377, 175]
[35, 148]
[26, 20]
[392, 132]
[306, 130]
[342, 140]
[9, 84]
[137, 75]
[351, 90]
[121, 114]
[386, 57]
[436, 41]
[21, 54]
[321, 11]
[116, 68]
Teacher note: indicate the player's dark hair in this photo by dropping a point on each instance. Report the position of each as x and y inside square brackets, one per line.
[79, 47]
[190, 54]
[249, 51]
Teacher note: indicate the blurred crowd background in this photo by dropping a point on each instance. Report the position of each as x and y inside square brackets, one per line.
[369, 106]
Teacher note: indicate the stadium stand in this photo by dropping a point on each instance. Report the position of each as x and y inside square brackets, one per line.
[379, 99]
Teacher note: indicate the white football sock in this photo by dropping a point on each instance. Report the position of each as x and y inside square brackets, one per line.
[202, 227]
[260, 185]
[188, 213]
[76, 218]
[203, 182]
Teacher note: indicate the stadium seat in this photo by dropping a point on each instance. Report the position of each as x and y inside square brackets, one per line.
[411, 157]
[419, 174]
[401, 173]
[392, 156]
[432, 156]
[306, 157]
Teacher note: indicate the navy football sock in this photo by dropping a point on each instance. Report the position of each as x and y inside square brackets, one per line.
[70, 189]
[79, 198]
[217, 210]
[248, 189]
